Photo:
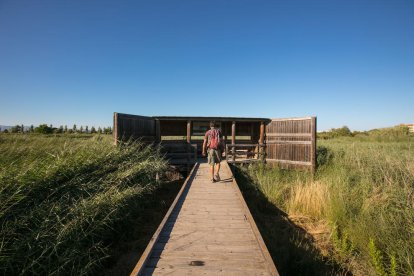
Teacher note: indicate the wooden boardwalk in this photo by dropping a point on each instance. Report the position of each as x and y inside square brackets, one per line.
[207, 230]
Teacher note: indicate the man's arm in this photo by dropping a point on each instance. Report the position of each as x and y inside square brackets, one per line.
[204, 146]
[205, 143]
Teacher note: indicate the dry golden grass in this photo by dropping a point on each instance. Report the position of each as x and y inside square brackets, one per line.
[310, 198]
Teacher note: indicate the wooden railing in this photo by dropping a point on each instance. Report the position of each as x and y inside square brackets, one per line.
[245, 153]
[181, 154]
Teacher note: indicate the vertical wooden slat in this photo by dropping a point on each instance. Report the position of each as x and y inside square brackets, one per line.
[313, 145]
[188, 144]
[233, 138]
[115, 129]
[261, 140]
[188, 131]
[158, 131]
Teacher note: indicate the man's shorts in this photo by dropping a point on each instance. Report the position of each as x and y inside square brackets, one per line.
[214, 156]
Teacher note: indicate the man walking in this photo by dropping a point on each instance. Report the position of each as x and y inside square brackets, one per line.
[213, 144]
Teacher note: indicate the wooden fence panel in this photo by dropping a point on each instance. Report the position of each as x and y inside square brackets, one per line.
[134, 127]
[292, 142]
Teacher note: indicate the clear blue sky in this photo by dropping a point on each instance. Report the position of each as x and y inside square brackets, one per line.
[347, 62]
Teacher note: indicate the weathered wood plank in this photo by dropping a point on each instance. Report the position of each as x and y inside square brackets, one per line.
[211, 224]
[144, 258]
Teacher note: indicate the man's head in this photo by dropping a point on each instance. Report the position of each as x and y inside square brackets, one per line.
[212, 124]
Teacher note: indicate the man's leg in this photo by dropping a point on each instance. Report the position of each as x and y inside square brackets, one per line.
[210, 161]
[218, 170]
[218, 159]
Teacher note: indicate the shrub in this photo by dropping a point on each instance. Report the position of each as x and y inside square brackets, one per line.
[44, 129]
[323, 155]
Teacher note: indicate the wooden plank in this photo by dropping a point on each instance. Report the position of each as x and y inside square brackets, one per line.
[291, 119]
[290, 162]
[158, 131]
[261, 141]
[195, 270]
[189, 131]
[144, 258]
[233, 138]
[172, 154]
[218, 247]
[206, 255]
[210, 225]
[313, 147]
[246, 145]
[214, 263]
[270, 264]
[290, 142]
[115, 129]
[289, 134]
[180, 162]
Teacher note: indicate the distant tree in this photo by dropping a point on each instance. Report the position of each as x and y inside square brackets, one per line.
[70, 131]
[60, 129]
[16, 129]
[343, 131]
[107, 130]
[74, 128]
[93, 130]
[65, 130]
[44, 129]
[31, 128]
[81, 129]
[51, 126]
[99, 130]
[5, 131]
[86, 129]
[22, 128]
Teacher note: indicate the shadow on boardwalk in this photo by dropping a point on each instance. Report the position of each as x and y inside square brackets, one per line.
[130, 246]
[290, 246]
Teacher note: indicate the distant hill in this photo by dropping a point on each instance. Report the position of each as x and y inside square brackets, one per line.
[5, 127]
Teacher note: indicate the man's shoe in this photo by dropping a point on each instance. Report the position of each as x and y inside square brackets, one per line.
[218, 177]
[213, 180]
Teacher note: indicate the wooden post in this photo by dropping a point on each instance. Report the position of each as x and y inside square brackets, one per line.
[115, 129]
[224, 132]
[188, 131]
[233, 139]
[227, 153]
[188, 144]
[157, 131]
[261, 140]
[313, 145]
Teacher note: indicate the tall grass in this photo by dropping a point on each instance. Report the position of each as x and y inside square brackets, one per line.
[63, 199]
[365, 190]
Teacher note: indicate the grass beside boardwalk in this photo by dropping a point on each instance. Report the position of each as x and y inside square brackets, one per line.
[66, 200]
[357, 211]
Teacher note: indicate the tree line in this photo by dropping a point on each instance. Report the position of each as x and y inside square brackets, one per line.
[49, 129]
[396, 131]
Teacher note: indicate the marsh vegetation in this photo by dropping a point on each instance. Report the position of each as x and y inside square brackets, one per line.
[355, 213]
[69, 201]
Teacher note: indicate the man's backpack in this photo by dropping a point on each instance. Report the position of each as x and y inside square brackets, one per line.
[215, 140]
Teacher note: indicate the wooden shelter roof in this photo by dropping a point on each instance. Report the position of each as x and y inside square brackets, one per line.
[205, 118]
